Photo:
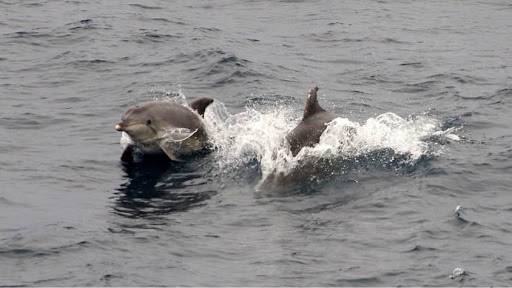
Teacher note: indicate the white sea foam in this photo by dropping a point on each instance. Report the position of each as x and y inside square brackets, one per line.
[239, 138]
[242, 137]
[125, 140]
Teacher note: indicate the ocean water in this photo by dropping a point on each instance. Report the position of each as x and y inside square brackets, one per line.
[410, 185]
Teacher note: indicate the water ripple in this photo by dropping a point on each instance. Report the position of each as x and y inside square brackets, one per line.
[141, 6]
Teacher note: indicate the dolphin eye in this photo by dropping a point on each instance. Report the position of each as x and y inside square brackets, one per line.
[148, 122]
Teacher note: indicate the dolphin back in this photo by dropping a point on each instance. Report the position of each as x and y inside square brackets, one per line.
[172, 115]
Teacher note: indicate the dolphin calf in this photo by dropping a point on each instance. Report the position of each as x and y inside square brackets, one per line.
[310, 128]
[163, 126]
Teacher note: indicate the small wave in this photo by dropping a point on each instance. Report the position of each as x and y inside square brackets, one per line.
[501, 96]
[41, 252]
[439, 83]
[418, 87]
[354, 40]
[234, 77]
[334, 61]
[223, 64]
[30, 121]
[24, 252]
[459, 78]
[217, 67]
[393, 41]
[154, 36]
[421, 248]
[64, 35]
[329, 36]
[162, 19]
[137, 5]
[504, 92]
[207, 29]
[93, 61]
[373, 79]
[93, 64]
[196, 59]
[497, 98]
[27, 34]
[360, 281]
[412, 64]
[83, 24]
[8, 203]
[71, 99]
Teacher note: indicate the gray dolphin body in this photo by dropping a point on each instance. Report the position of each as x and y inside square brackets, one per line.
[306, 134]
[162, 126]
[312, 125]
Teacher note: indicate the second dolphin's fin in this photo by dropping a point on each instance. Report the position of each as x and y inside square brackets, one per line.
[312, 107]
[200, 105]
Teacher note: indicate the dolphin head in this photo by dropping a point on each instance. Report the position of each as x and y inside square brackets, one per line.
[139, 125]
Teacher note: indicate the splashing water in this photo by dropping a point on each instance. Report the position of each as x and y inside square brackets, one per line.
[260, 135]
[346, 138]
[247, 136]
[159, 93]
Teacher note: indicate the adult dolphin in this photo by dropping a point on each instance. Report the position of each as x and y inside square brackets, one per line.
[164, 126]
[306, 134]
[310, 128]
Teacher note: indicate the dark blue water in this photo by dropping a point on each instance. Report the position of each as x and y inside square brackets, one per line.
[427, 86]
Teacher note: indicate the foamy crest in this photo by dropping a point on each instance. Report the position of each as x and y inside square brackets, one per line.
[343, 137]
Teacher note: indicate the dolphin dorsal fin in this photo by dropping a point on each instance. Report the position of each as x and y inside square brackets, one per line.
[200, 105]
[312, 107]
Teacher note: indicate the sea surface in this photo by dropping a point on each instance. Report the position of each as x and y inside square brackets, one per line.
[412, 184]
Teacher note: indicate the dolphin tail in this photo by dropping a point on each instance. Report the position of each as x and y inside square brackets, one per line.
[200, 105]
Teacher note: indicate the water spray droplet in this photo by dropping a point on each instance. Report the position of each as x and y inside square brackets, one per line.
[458, 274]
[458, 211]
